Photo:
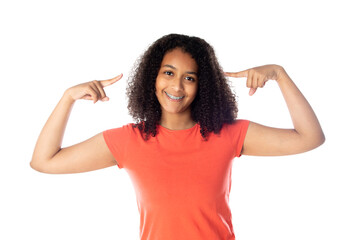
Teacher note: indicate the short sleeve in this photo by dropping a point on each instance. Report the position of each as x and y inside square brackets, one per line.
[117, 139]
[237, 133]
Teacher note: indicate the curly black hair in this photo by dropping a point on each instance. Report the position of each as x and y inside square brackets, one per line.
[214, 104]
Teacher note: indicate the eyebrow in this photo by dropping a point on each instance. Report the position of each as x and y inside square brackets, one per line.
[172, 67]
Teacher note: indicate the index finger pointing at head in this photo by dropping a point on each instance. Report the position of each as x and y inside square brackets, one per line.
[237, 74]
[105, 83]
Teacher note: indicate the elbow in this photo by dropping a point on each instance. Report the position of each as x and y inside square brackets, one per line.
[308, 143]
[317, 141]
[38, 166]
[35, 166]
[321, 139]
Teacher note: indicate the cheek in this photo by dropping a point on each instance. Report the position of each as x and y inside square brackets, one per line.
[194, 91]
[157, 87]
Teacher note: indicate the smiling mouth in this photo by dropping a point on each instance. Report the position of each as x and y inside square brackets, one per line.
[174, 97]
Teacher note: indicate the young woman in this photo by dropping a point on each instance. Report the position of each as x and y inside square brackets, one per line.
[179, 152]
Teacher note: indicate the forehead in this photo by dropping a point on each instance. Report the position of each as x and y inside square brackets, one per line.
[179, 59]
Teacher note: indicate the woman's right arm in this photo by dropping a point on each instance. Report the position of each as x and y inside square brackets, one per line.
[91, 154]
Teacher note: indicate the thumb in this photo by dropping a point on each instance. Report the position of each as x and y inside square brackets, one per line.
[252, 91]
[237, 74]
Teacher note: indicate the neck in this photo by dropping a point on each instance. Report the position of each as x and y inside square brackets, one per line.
[178, 121]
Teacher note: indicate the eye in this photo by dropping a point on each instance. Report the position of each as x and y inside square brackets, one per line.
[191, 79]
[168, 73]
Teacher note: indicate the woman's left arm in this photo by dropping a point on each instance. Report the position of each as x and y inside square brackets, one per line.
[267, 141]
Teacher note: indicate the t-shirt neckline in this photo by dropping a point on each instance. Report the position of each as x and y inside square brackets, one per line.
[180, 130]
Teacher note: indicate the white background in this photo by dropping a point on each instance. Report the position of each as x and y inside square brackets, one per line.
[48, 46]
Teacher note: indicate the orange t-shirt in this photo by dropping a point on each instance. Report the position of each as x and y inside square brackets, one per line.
[182, 182]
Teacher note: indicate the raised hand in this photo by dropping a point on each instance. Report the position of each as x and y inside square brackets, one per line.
[49, 156]
[93, 90]
[306, 133]
[258, 76]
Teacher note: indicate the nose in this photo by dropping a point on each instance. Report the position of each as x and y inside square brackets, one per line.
[177, 84]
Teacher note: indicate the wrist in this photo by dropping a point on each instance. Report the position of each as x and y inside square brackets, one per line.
[281, 75]
[67, 98]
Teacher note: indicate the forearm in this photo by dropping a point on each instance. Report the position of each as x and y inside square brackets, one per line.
[303, 117]
[51, 136]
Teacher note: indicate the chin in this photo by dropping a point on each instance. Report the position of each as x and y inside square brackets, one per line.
[174, 110]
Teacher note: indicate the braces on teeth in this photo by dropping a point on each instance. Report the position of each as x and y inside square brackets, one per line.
[173, 97]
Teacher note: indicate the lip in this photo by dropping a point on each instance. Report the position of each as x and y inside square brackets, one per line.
[173, 100]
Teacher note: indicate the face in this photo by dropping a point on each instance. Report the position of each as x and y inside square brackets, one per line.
[177, 82]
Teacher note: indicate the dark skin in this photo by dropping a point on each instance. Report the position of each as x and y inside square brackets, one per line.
[178, 77]
[176, 87]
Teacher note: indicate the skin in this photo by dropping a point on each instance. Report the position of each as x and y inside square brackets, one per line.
[177, 76]
[91, 154]
[174, 78]
[267, 141]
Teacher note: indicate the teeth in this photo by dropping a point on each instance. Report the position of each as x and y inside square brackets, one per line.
[173, 97]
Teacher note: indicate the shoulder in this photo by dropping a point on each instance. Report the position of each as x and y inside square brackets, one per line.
[235, 131]
[125, 130]
[236, 134]
[122, 128]
[238, 124]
